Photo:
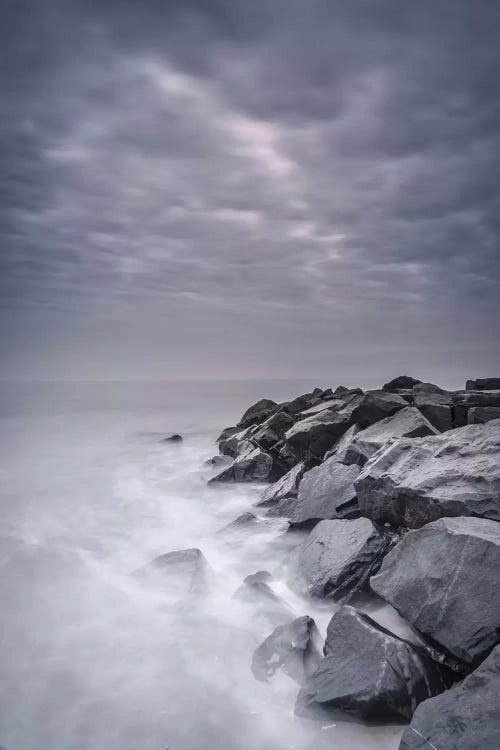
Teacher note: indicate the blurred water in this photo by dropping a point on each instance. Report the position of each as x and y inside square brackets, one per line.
[93, 659]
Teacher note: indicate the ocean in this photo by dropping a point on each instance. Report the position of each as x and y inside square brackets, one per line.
[91, 658]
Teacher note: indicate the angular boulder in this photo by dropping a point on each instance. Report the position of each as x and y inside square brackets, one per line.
[272, 429]
[337, 557]
[368, 672]
[435, 404]
[253, 465]
[295, 648]
[412, 481]
[228, 432]
[483, 384]
[482, 414]
[258, 412]
[301, 403]
[179, 573]
[377, 405]
[463, 718]
[326, 492]
[343, 444]
[402, 382]
[286, 487]
[443, 579]
[256, 592]
[407, 422]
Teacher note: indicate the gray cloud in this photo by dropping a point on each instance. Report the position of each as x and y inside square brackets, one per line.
[230, 188]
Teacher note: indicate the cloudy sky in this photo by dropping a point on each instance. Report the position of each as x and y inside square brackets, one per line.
[277, 188]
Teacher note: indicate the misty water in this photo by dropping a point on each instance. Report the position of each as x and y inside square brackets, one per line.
[94, 658]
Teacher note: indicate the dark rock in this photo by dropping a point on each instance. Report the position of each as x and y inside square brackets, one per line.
[341, 389]
[326, 492]
[218, 461]
[254, 465]
[333, 404]
[402, 382]
[342, 445]
[482, 414]
[327, 394]
[286, 487]
[412, 481]
[443, 578]
[300, 403]
[179, 572]
[294, 648]
[259, 576]
[337, 557]
[369, 672]
[468, 399]
[245, 521]
[407, 422]
[173, 439]
[376, 405]
[463, 718]
[435, 404]
[228, 432]
[258, 412]
[483, 384]
[272, 429]
[237, 443]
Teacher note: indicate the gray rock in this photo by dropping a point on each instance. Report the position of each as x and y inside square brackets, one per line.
[343, 444]
[443, 578]
[294, 648]
[255, 591]
[258, 412]
[286, 487]
[218, 461]
[228, 432]
[180, 572]
[407, 422]
[237, 443]
[435, 404]
[326, 492]
[283, 509]
[172, 439]
[254, 465]
[412, 481]
[483, 384]
[301, 403]
[463, 718]
[272, 429]
[403, 382]
[337, 557]
[377, 405]
[482, 414]
[244, 521]
[369, 672]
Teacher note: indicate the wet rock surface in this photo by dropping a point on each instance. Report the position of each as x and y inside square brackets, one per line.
[326, 492]
[294, 648]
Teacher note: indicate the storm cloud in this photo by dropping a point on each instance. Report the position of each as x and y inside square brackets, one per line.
[232, 188]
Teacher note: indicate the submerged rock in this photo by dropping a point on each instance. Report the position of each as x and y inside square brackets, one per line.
[173, 439]
[413, 481]
[402, 382]
[326, 492]
[443, 578]
[256, 591]
[369, 672]
[337, 557]
[179, 572]
[244, 521]
[294, 648]
[407, 422]
[463, 718]
[254, 465]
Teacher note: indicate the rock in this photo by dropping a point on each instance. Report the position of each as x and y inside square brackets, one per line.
[482, 414]
[237, 443]
[244, 521]
[326, 492]
[342, 445]
[259, 576]
[483, 384]
[369, 672]
[301, 403]
[256, 592]
[294, 648]
[402, 382]
[228, 432]
[283, 509]
[258, 412]
[412, 481]
[179, 572]
[254, 465]
[463, 718]
[272, 429]
[407, 422]
[435, 404]
[377, 405]
[337, 557]
[173, 439]
[327, 394]
[286, 487]
[443, 578]
[218, 461]
[332, 404]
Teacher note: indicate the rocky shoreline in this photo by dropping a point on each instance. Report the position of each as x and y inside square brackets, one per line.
[399, 489]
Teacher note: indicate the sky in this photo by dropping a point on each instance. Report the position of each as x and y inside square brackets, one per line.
[225, 188]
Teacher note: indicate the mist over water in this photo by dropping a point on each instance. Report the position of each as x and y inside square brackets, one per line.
[95, 658]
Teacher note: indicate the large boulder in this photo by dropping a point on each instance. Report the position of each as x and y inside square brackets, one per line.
[272, 429]
[376, 405]
[483, 384]
[482, 414]
[443, 578]
[463, 718]
[403, 382]
[337, 557]
[253, 465]
[236, 443]
[258, 412]
[286, 487]
[294, 648]
[369, 672]
[301, 403]
[326, 492]
[407, 422]
[413, 481]
[435, 404]
[343, 444]
[465, 400]
[178, 573]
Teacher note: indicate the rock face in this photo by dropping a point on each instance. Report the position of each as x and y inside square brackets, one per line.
[258, 412]
[368, 672]
[254, 465]
[407, 422]
[411, 482]
[179, 573]
[377, 405]
[313, 436]
[286, 487]
[435, 404]
[272, 429]
[443, 578]
[337, 557]
[342, 445]
[482, 414]
[463, 718]
[294, 648]
[326, 492]
[402, 382]
[483, 384]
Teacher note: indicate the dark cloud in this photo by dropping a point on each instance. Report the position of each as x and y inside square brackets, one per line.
[281, 188]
